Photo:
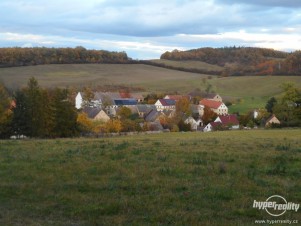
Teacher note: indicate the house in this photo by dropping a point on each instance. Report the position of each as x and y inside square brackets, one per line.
[96, 114]
[78, 101]
[213, 96]
[152, 116]
[272, 120]
[165, 104]
[230, 121]
[144, 109]
[212, 126]
[216, 106]
[195, 124]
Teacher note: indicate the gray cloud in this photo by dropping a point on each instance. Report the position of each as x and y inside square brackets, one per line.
[155, 24]
[271, 3]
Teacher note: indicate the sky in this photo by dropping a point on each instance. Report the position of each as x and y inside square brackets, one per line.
[145, 29]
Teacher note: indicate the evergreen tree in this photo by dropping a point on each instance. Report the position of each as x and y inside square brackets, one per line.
[38, 111]
[65, 115]
[21, 123]
[270, 104]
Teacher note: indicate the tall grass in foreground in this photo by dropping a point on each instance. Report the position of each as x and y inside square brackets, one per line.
[163, 179]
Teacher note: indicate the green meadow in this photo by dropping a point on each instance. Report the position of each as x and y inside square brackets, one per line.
[159, 179]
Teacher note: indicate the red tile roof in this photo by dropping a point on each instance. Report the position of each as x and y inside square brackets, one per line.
[211, 103]
[215, 124]
[229, 119]
[124, 94]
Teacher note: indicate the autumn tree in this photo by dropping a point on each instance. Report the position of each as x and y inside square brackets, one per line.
[208, 116]
[124, 112]
[84, 123]
[183, 106]
[5, 113]
[287, 108]
[113, 126]
[88, 95]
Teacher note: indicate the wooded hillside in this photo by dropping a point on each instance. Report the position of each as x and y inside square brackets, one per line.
[243, 60]
[10, 57]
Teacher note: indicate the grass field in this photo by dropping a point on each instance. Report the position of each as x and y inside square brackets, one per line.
[190, 64]
[162, 179]
[252, 91]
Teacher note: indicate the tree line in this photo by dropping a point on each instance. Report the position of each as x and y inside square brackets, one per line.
[11, 57]
[286, 107]
[243, 60]
[36, 112]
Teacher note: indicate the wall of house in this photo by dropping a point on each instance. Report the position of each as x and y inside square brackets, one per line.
[78, 101]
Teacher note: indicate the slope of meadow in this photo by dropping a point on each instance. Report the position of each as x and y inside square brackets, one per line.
[163, 179]
[246, 92]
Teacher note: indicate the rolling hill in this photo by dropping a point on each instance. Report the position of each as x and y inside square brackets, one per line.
[246, 92]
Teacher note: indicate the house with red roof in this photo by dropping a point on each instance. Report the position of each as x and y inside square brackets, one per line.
[218, 107]
[165, 104]
[229, 121]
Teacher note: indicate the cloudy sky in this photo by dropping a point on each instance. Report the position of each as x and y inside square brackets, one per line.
[147, 28]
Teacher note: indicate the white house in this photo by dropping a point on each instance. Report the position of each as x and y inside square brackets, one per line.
[218, 107]
[165, 104]
[193, 123]
[78, 101]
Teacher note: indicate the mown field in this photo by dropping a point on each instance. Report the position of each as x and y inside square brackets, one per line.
[246, 92]
[161, 179]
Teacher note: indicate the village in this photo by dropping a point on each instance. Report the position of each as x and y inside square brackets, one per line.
[167, 113]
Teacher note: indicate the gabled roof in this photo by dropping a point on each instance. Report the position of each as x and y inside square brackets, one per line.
[125, 101]
[151, 116]
[215, 124]
[167, 102]
[270, 118]
[91, 112]
[228, 119]
[211, 103]
[211, 95]
[145, 108]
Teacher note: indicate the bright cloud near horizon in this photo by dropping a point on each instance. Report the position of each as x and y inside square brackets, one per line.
[146, 29]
